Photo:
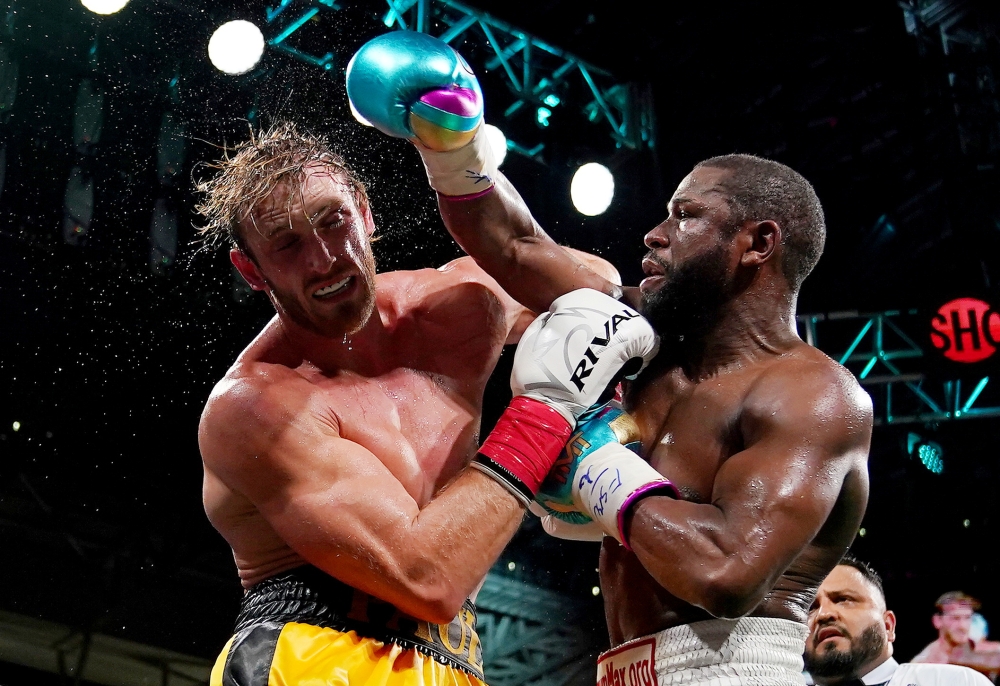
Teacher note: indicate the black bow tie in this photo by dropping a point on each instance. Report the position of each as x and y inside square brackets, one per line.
[859, 682]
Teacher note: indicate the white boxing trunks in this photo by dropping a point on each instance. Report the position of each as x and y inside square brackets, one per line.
[751, 651]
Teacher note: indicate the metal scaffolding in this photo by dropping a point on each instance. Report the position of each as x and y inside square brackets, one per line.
[541, 76]
[955, 31]
[533, 636]
[893, 368]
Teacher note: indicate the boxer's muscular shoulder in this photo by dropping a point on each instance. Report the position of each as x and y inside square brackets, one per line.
[250, 408]
[807, 386]
[811, 400]
[458, 288]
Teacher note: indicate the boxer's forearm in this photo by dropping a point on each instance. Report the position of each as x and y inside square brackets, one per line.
[685, 547]
[499, 233]
[453, 543]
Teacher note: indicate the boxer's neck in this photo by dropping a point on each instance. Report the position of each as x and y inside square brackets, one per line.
[363, 351]
[757, 323]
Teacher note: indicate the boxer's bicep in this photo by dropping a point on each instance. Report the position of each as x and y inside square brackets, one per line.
[802, 441]
[768, 502]
[338, 506]
[498, 231]
[331, 500]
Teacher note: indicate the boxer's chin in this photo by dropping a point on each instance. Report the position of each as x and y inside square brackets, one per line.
[343, 320]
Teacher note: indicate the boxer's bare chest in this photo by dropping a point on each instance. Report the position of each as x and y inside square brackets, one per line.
[418, 407]
[690, 428]
[688, 431]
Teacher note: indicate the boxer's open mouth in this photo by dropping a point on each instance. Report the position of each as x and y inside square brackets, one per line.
[333, 288]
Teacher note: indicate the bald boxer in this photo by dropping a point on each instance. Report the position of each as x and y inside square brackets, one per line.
[764, 438]
[337, 448]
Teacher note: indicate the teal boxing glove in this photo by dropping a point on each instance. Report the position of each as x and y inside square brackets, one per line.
[609, 424]
[414, 86]
[599, 476]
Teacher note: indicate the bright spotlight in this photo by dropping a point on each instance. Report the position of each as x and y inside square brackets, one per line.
[104, 6]
[592, 189]
[236, 47]
[498, 142]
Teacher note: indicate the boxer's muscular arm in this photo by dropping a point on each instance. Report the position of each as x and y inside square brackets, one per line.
[339, 507]
[498, 231]
[516, 315]
[806, 435]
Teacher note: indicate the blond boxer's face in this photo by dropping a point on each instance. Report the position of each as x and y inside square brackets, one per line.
[310, 250]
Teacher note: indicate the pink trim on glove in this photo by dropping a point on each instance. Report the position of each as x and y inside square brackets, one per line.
[639, 493]
[454, 100]
[470, 196]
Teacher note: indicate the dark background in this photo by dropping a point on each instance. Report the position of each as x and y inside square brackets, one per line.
[106, 362]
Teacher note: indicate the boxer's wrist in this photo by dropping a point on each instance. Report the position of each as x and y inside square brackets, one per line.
[465, 173]
[523, 446]
[610, 481]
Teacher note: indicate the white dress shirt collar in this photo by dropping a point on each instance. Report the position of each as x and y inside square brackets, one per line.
[882, 673]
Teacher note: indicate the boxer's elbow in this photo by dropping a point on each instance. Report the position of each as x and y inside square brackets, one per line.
[727, 594]
[437, 606]
[434, 597]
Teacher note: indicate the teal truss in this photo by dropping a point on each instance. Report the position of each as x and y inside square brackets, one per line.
[906, 388]
[541, 76]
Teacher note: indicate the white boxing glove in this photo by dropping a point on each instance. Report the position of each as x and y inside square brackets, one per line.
[560, 528]
[565, 361]
[587, 341]
[608, 481]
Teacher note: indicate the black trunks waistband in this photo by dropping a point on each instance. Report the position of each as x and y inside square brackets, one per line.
[309, 596]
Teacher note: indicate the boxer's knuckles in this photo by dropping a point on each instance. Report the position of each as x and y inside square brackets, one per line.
[411, 85]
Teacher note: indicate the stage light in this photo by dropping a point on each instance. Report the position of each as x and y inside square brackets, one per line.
[498, 142]
[930, 454]
[595, 591]
[551, 100]
[236, 47]
[104, 6]
[592, 189]
[16, 426]
[542, 115]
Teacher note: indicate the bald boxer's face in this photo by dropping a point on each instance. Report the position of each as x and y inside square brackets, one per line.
[850, 631]
[698, 217]
[689, 267]
[312, 253]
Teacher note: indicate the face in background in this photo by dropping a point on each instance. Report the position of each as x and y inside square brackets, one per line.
[310, 251]
[690, 265]
[850, 631]
[954, 622]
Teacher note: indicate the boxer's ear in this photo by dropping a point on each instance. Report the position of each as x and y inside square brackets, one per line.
[248, 269]
[889, 618]
[366, 214]
[762, 241]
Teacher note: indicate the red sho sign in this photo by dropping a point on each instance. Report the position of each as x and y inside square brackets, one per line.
[966, 330]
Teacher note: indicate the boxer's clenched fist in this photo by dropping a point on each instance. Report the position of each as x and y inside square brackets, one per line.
[567, 361]
[572, 356]
[414, 86]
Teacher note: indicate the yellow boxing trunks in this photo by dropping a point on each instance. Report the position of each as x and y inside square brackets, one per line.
[305, 627]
